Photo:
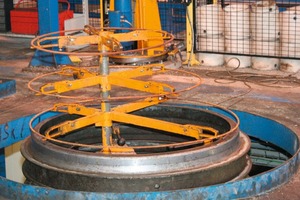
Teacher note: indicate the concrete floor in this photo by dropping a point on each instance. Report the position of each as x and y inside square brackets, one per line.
[280, 102]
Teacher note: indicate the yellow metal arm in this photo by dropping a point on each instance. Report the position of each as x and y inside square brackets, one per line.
[186, 130]
[145, 86]
[119, 114]
[69, 126]
[140, 71]
[74, 109]
[146, 70]
[123, 79]
[130, 107]
[65, 86]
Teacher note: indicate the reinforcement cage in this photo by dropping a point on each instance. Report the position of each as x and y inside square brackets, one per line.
[256, 28]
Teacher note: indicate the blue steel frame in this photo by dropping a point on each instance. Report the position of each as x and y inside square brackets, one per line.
[257, 126]
[48, 22]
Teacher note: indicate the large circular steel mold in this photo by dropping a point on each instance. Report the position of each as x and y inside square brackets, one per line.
[265, 129]
[151, 169]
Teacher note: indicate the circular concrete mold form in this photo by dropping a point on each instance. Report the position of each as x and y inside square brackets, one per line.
[161, 161]
[255, 126]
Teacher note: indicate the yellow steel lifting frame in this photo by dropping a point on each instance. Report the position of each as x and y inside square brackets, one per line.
[147, 17]
[105, 117]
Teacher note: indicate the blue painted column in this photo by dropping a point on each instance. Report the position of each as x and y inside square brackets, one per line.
[121, 17]
[48, 22]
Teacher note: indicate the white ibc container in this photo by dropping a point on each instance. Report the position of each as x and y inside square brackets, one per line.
[265, 48]
[290, 25]
[210, 59]
[290, 65]
[290, 49]
[237, 61]
[261, 63]
[210, 19]
[264, 21]
[214, 43]
[241, 46]
[237, 21]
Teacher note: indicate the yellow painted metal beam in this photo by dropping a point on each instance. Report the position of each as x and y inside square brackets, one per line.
[69, 126]
[74, 109]
[190, 55]
[112, 5]
[65, 86]
[141, 35]
[144, 86]
[140, 71]
[101, 14]
[134, 106]
[87, 79]
[147, 17]
[186, 130]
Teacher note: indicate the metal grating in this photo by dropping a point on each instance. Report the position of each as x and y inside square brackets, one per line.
[94, 10]
[251, 28]
[173, 17]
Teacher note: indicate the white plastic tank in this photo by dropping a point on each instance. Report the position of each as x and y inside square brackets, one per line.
[241, 46]
[264, 21]
[290, 40]
[263, 63]
[290, 50]
[290, 65]
[237, 46]
[290, 25]
[214, 43]
[210, 20]
[265, 48]
[237, 21]
[210, 59]
[237, 61]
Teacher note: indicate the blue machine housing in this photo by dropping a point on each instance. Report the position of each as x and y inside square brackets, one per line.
[121, 17]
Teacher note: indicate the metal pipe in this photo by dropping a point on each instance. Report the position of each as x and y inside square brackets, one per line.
[105, 105]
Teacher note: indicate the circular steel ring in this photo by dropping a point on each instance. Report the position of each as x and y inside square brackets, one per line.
[53, 165]
[39, 39]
